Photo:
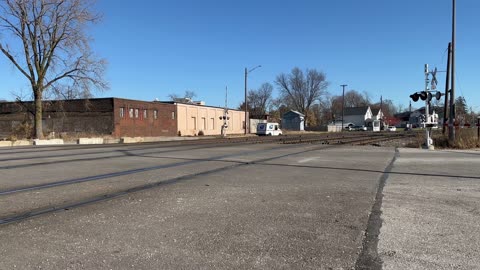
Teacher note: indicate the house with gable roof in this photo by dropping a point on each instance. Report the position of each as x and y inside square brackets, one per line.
[293, 120]
[359, 116]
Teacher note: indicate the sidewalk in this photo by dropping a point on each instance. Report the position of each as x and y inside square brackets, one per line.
[431, 211]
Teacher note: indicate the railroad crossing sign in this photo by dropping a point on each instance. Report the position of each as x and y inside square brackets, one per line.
[434, 79]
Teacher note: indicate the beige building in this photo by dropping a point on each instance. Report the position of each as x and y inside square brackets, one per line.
[192, 118]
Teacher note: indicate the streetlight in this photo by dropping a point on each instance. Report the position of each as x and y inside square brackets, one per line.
[343, 101]
[247, 125]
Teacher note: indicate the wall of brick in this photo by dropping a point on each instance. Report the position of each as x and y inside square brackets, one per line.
[133, 123]
[123, 118]
[93, 116]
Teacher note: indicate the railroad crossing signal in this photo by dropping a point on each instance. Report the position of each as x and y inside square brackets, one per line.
[424, 95]
[434, 79]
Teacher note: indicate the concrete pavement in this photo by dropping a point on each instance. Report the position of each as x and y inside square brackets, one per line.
[245, 207]
[431, 211]
[285, 207]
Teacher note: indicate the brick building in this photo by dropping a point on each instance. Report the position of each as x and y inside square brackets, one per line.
[99, 116]
[119, 118]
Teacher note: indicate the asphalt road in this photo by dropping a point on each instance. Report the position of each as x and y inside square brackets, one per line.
[263, 206]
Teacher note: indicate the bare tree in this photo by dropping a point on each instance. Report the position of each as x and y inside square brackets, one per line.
[300, 91]
[51, 48]
[388, 107]
[187, 96]
[259, 100]
[355, 99]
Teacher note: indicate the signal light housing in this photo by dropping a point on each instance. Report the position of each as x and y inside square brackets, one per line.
[423, 95]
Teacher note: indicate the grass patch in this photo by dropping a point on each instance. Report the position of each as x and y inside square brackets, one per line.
[465, 138]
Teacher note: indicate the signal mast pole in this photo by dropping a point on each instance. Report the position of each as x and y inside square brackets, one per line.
[428, 143]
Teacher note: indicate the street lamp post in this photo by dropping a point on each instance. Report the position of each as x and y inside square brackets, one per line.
[343, 101]
[247, 124]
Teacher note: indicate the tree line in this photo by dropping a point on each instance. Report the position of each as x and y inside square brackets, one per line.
[306, 92]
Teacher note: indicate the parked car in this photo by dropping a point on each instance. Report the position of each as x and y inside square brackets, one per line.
[391, 128]
[359, 128]
[348, 126]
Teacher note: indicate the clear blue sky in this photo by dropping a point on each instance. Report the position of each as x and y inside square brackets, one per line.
[156, 47]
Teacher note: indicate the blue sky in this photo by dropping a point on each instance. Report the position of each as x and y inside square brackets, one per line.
[156, 48]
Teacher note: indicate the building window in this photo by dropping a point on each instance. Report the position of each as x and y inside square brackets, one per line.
[145, 114]
[173, 115]
[122, 112]
[136, 113]
[155, 114]
[194, 123]
[130, 113]
[204, 123]
[212, 123]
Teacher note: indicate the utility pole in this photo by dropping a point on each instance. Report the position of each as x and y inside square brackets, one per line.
[451, 128]
[447, 87]
[247, 122]
[246, 104]
[343, 102]
[381, 112]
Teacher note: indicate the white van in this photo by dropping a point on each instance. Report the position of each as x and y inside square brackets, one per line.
[268, 129]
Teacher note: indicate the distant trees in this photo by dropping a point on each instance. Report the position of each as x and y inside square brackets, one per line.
[259, 100]
[387, 106]
[187, 96]
[464, 114]
[299, 90]
[355, 99]
[51, 49]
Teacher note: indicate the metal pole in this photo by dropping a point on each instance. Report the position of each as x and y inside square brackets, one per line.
[478, 128]
[447, 86]
[381, 112]
[246, 104]
[451, 128]
[343, 102]
[427, 109]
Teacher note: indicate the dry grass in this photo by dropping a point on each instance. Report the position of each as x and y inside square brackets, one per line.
[21, 131]
[465, 138]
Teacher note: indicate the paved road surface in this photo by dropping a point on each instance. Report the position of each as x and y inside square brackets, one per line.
[226, 207]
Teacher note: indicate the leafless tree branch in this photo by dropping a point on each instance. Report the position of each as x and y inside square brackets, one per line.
[51, 47]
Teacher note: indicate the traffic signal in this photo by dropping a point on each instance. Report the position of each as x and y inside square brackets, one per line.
[423, 95]
[429, 96]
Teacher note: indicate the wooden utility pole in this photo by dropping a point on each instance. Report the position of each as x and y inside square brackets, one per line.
[451, 128]
[447, 88]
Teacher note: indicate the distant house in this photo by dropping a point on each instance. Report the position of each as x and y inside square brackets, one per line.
[293, 120]
[415, 119]
[403, 119]
[377, 114]
[359, 116]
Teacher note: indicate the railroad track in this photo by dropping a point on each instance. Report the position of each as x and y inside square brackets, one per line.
[120, 182]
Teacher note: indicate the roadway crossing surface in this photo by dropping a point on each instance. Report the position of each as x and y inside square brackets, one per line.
[263, 206]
